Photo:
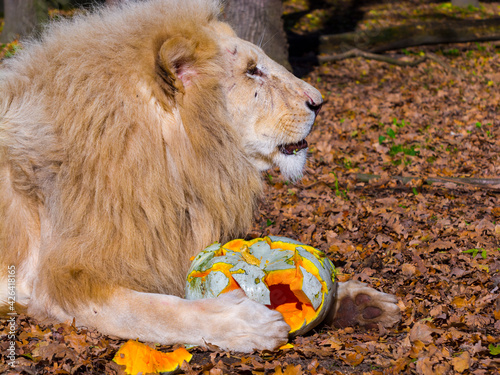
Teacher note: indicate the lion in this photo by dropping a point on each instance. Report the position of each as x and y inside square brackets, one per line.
[130, 139]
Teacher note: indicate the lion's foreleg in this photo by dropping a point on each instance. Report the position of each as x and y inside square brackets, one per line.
[231, 321]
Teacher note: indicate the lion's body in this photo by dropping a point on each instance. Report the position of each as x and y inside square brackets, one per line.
[122, 154]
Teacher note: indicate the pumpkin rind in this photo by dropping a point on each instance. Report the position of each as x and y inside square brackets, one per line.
[300, 275]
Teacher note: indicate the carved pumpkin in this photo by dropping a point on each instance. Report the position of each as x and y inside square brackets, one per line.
[285, 275]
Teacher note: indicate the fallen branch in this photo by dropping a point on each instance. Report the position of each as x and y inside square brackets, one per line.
[404, 36]
[492, 183]
[355, 52]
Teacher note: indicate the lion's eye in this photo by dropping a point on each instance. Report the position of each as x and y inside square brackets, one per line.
[253, 70]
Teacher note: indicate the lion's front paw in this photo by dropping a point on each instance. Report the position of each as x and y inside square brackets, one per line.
[359, 304]
[240, 324]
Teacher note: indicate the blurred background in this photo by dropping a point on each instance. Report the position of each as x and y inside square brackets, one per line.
[298, 31]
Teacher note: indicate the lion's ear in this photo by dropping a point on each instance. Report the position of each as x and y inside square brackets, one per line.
[176, 64]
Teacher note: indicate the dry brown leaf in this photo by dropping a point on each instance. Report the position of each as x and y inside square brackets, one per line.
[352, 358]
[289, 370]
[496, 314]
[484, 225]
[53, 350]
[439, 244]
[496, 231]
[76, 341]
[408, 269]
[421, 332]
[461, 302]
[461, 363]
[424, 366]
[416, 348]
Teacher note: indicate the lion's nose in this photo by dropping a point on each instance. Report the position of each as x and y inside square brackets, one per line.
[313, 106]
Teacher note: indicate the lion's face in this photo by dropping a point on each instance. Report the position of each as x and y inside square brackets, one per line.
[272, 109]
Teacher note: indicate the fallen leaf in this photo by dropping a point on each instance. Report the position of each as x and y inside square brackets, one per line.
[461, 302]
[421, 332]
[289, 370]
[461, 363]
[424, 366]
[408, 269]
[352, 358]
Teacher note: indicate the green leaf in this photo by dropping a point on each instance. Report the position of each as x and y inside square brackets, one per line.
[472, 251]
[391, 133]
[395, 150]
[399, 124]
[411, 151]
[452, 52]
[494, 350]
[381, 139]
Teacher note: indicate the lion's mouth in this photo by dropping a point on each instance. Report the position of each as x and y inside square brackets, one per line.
[292, 148]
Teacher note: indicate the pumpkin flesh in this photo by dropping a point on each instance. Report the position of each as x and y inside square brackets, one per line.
[289, 299]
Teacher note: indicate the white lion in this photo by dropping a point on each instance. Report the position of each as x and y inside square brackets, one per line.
[130, 139]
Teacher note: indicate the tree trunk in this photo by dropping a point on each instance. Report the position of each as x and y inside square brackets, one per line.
[22, 17]
[260, 22]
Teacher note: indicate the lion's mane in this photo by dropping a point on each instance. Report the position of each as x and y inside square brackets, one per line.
[126, 174]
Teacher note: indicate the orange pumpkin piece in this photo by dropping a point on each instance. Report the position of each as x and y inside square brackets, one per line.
[141, 359]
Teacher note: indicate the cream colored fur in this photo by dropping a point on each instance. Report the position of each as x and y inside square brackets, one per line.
[130, 139]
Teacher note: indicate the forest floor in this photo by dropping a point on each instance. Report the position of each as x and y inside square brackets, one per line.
[435, 246]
